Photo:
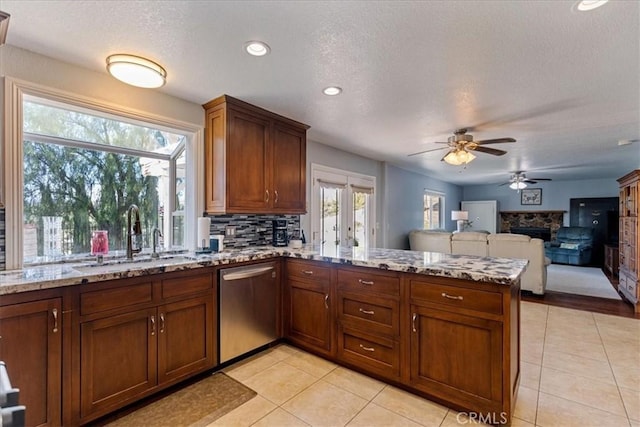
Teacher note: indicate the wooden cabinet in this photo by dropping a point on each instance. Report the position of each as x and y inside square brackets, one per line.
[629, 237]
[31, 347]
[140, 335]
[369, 321]
[308, 305]
[255, 160]
[611, 259]
[464, 343]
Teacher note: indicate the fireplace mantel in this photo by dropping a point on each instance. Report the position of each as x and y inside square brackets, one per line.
[551, 220]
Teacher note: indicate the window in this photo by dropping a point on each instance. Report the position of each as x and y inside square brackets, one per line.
[433, 210]
[79, 166]
[343, 209]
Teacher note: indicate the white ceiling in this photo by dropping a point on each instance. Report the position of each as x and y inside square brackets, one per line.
[565, 84]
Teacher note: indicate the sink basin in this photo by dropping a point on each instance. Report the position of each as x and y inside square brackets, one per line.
[135, 264]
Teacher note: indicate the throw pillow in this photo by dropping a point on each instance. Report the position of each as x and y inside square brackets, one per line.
[569, 245]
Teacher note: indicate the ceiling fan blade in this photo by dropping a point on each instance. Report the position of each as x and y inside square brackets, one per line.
[488, 150]
[495, 141]
[529, 181]
[504, 183]
[541, 179]
[427, 151]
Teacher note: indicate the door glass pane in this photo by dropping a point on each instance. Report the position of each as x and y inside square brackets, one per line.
[433, 211]
[330, 219]
[361, 222]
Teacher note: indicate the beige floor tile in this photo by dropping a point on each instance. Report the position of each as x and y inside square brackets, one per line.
[581, 389]
[627, 376]
[411, 406]
[517, 422]
[531, 352]
[530, 375]
[584, 349]
[616, 321]
[555, 411]
[374, 415]
[280, 382]
[246, 414]
[597, 369]
[569, 316]
[534, 335]
[539, 311]
[313, 365]
[356, 383]
[634, 423]
[457, 419]
[622, 354]
[324, 404]
[247, 368]
[631, 399]
[280, 418]
[590, 335]
[283, 352]
[526, 404]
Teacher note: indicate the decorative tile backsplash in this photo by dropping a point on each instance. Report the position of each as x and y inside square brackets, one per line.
[251, 230]
[3, 247]
[542, 219]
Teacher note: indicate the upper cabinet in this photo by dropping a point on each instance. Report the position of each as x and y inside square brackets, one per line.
[255, 160]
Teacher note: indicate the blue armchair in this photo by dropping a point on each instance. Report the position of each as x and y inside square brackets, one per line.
[573, 245]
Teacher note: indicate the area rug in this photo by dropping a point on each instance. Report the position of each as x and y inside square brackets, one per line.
[196, 405]
[571, 279]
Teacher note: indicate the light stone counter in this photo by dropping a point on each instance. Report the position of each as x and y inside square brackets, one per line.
[502, 271]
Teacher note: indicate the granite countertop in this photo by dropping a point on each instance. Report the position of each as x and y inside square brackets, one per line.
[503, 271]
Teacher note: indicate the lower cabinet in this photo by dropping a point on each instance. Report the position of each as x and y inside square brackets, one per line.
[31, 347]
[127, 352]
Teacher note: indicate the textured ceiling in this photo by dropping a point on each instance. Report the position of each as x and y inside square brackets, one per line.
[565, 84]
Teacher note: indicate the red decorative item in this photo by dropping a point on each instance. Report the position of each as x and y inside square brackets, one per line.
[99, 242]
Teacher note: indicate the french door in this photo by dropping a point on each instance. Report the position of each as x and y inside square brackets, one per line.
[343, 209]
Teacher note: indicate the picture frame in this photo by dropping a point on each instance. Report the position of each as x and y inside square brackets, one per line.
[531, 196]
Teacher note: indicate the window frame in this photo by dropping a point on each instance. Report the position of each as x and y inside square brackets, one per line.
[441, 196]
[11, 168]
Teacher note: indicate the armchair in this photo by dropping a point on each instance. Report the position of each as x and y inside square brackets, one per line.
[573, 245]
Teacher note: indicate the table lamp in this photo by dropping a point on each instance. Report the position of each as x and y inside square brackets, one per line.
[460, 217]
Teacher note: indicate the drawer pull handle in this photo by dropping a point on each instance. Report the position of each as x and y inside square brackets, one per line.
[362, 310]
[365, 282]
[153, 325]
[276, 194]
[446, 295]
[413, 322]
[367, 348]
[326, 301]
[55, 319]
[161, 323]
[308, 272]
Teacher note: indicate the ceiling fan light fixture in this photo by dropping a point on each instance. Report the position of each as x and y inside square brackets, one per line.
[587, 5]
[459, 157]
[136, 71]
[518, 185]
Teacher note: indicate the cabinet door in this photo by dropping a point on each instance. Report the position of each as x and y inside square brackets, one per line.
[185, 338]
[31, 347]
[309, 314]
[118, 358]
[248, 163]
[289, 169]
[457, 357]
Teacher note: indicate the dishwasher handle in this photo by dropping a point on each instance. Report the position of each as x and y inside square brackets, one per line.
[245, 273]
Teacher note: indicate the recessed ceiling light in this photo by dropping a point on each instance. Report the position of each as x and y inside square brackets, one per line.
[332, 90]
[257, 48]
[586, 5]
[136, 71]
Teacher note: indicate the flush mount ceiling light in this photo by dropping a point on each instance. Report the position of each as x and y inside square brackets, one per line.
[257, 48]
[332, 90]
[587, 5]
[459, 157]
[136, 70]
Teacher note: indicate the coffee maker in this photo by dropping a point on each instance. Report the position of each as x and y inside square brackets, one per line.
[280, 234]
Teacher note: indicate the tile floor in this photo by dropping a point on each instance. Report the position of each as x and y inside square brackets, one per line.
[578, 369]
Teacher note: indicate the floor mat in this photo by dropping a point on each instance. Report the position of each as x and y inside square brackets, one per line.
[196, 405]
[588, 281]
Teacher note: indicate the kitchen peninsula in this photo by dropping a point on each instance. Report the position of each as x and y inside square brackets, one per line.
[443, 326]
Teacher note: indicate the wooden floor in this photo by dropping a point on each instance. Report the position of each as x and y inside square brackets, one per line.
[580, 302]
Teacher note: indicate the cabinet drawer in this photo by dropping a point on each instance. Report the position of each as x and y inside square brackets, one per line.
[490, 302]
[308, 270]
[179, 286]
[123, 296]
[375, 354]
[365, 281]
[371, 313]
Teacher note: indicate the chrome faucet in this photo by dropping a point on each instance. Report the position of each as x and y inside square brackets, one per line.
[155, 235]
[133, 233]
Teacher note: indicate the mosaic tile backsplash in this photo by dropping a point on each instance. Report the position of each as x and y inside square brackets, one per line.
[251, 230]
[3, 247]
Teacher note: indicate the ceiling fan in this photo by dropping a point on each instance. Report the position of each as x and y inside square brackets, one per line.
[519, 180]
[461, 144]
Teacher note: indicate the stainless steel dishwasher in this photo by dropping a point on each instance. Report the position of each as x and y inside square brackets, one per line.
[248, 305]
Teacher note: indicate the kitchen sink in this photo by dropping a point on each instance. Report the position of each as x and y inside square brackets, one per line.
[135, 264]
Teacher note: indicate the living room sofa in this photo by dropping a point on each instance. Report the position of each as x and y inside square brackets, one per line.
[501, 245]
[573, 245]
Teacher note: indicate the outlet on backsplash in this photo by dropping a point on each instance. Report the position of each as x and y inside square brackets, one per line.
[230, 230]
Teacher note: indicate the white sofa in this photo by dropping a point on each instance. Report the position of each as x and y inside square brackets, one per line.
[502, 245]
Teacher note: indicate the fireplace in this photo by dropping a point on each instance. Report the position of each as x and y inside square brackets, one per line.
[535, 220]
[533, 232]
